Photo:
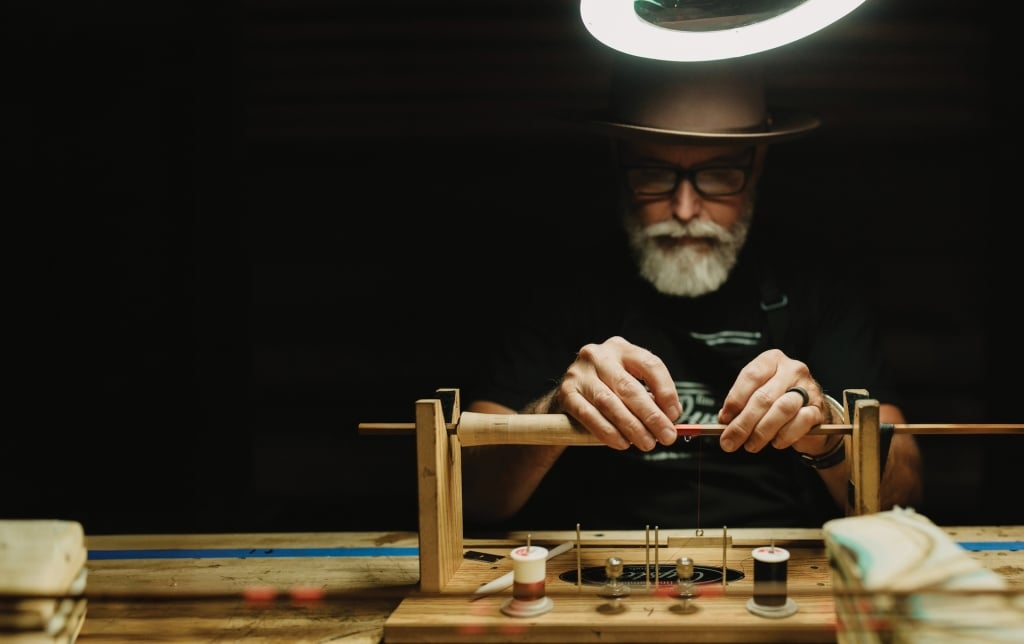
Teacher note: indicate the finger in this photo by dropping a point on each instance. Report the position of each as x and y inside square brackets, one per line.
[750, 420]
[748, 386]
[766, 412]
[586, 414]
[581, 385]
[595, 389]
[805, 397]
[780, 420]
[796, 430]
[810, 414]
[652, 372]
[638, 390]
[797, 437]
[786, 421]
[619, 403]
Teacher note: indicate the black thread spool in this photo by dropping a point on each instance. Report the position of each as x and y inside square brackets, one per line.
[770, 573]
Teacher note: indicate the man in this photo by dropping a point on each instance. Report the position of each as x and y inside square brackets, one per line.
[706, 323]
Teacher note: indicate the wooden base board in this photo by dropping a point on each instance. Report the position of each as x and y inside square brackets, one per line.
[649, 614]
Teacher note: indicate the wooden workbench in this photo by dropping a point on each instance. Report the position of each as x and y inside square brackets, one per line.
[191, 588]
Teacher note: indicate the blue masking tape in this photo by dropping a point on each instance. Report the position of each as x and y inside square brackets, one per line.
[254, 553]
[992, 545]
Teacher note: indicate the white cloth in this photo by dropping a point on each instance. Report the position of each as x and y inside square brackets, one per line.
[900, 551]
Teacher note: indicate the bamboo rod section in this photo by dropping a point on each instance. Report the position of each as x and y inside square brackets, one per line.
[558, 429]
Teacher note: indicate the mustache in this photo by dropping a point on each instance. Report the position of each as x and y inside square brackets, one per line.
[694, 228]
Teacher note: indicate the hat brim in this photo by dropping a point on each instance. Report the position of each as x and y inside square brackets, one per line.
[785, 125]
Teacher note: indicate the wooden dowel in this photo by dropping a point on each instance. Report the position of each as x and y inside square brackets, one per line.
[557, 429]
[961, 428]
[388, 429]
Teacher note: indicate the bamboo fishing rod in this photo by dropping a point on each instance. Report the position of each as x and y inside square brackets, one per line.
[476, 428]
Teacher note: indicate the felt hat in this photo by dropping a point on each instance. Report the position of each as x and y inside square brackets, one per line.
[712, 103]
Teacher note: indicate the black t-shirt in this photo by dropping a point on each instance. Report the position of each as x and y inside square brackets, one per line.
[705, 341]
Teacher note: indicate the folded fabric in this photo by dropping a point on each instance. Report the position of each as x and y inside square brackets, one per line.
[43, 614]
[925, 586]
[40, 555]
[70, 626]
[42, 571]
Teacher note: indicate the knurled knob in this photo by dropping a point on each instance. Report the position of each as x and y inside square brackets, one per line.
[613, 568]
[684, 568]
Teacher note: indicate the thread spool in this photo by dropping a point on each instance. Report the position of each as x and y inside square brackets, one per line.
[770, 573]
[529, 572]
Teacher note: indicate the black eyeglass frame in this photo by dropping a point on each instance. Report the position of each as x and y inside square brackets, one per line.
[682, 174]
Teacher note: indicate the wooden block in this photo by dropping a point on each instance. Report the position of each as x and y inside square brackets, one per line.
[698, 542]
[866, 459]
[439, 481]
[647, 615]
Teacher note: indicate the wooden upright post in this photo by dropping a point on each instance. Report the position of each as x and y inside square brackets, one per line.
[439, 483]
[865, 456]
[867, 460]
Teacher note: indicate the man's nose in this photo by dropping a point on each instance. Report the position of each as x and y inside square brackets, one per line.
[686, 201]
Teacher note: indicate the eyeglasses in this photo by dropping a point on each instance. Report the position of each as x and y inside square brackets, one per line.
[711, 181]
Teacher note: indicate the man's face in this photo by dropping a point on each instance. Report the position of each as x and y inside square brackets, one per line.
[686, 230]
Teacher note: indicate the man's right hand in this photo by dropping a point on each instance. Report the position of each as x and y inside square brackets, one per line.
[622, 393]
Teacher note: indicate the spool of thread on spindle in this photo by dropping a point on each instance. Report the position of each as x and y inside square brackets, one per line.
[770, 572]
[529, 574]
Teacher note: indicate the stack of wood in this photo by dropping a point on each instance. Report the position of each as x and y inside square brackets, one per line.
[42, 581]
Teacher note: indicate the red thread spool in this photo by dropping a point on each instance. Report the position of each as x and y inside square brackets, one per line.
[529, 575]
[529, 572]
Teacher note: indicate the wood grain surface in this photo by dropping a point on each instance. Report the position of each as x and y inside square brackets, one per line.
[649, 614]
[370, 599]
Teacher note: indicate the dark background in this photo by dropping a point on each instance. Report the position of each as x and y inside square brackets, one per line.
[243, 228]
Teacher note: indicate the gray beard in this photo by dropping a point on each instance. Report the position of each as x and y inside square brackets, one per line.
[687, 270]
